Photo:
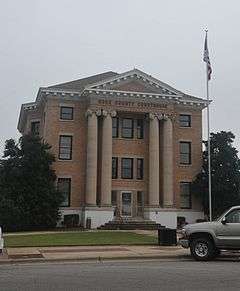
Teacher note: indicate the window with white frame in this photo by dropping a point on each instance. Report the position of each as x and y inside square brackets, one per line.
[185, 153]
[185, 120]
[127, 168]
[127, 128]
[115, 125]
[66, 113]
[64, 187]
[65, 147]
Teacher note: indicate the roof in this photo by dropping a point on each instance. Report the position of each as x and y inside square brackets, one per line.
[113, 82]
[80, 84]
[163, 88]
[109, 82]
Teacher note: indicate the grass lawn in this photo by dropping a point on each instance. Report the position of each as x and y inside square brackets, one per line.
[79, 239]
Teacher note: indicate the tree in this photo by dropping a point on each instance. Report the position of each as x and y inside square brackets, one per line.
[225, 171]
[28, 196]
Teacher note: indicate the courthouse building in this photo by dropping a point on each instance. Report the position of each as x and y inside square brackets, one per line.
[126, 146]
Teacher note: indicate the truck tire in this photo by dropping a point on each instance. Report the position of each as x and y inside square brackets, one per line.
[202, 249]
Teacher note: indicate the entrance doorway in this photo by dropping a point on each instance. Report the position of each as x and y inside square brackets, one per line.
[126, 204]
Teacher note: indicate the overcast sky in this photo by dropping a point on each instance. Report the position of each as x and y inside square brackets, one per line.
[44, 42]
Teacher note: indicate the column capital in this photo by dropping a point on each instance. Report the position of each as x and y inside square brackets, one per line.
[159, 116]
[111, 113]
[165, 117]
[152, 115]
[98, 112]
[91, 112]
[169, 116]
[104, 113]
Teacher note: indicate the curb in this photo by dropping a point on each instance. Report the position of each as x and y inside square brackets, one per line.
[97, 258]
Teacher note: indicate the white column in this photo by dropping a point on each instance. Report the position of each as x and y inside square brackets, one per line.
[91, 171]
[153, 160]
[106, 171]
[167, 163]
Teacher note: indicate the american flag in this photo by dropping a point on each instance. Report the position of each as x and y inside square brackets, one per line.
[206, 59]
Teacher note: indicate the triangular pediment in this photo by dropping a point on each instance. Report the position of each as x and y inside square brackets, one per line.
[133, 85]
[135, 81]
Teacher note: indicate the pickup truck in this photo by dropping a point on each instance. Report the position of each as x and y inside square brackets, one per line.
[207, 239]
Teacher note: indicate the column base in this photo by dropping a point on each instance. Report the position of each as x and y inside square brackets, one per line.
[168, 205]
[91, 205]
[153, 206]
[106, 206]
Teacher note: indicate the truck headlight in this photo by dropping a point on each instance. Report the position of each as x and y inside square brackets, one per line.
[183, 233]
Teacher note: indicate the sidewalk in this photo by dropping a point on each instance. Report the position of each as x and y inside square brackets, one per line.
[46, 254]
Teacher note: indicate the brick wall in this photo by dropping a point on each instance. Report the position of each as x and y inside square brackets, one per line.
[52, 127]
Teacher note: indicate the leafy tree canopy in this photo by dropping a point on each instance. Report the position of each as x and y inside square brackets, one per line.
[28, 196]
[225, 171]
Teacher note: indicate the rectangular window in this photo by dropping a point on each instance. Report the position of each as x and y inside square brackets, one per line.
[115, 127]
[64, 186]
[114, 168]
[65, 147]
[185, 153]
[139, 169]
[35, 127]
[127, 168]
[140, 198]
[185, 120]
[66, 113]
[140, 128]
[114, 198]
[127, 128]
[185, 195]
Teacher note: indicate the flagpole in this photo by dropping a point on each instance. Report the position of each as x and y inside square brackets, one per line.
[209, 144]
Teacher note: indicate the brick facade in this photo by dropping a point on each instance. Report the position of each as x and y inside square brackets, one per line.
[129, 97]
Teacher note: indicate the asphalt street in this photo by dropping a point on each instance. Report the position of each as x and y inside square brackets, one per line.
[127, 275]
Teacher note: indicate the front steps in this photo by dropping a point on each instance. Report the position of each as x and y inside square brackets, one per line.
[131, 224]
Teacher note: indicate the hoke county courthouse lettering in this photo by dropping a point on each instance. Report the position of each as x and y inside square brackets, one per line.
[127, 147]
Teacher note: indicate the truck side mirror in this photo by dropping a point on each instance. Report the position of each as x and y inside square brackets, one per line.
[224, 220]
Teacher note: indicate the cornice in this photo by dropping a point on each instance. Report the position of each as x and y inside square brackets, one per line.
[29, 106]
[25, 107]
[176, 99]
[56, 92]
[133, 93]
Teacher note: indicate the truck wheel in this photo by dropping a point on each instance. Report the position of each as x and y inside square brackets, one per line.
[202, 249]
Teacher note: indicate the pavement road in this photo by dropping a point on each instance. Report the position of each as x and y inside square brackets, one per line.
[122, 275]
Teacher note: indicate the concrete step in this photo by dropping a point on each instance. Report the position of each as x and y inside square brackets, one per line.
[131, 225]
[132, 222]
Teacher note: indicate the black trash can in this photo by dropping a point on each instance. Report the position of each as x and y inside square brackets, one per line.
[167, 237]
[88, 223]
